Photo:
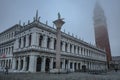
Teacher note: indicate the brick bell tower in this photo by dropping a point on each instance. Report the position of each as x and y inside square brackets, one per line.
[101, 32]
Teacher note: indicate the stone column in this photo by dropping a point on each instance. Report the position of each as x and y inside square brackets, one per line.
[76, 66]
[91, 65]
[72, 48]
[51, 43]
[22, 42]
[27, 41]
[32, 63]
[76, 50]
[79, 51]
[43, 64]
[24, 64]
[14, 63]
[19, 63]
[34, 39]
[63, 64]
[73, 68]
[10, 50]
[68, 64]
[63, 46]
[6, 51]
[68, 48]
[16, 44]
[51, 63]
[37, 39]
[44, 42]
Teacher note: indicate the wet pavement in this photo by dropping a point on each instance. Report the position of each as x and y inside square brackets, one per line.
[112, 75]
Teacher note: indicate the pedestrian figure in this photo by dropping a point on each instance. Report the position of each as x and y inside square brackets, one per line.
[116, 69]
[6, 70]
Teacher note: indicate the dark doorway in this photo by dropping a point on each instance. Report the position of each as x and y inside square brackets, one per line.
[75, 66]
[16, 64]
[78, 66]
[27, 59]
[54, 65]
[38, 66]
[21, 65]
[66, 64]
[84, 68]
[47, 68]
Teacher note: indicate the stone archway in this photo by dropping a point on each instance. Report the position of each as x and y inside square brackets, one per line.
[38, 65]
[75, 64]
[47, 65]
[84, 68]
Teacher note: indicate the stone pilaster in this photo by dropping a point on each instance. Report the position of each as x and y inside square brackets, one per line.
[63, 46]
[32, 63]
[22, 42]
[43, 64]
[51, 43]
[72, 48]
[27, 41]
[14, 64]
[37, 39]
[16, 44]
[68, 64]
[73, 68]
[76, 50]
[34, 39]
[24, 64]
[76, 66]
[44, 41]
[68, 48]
[19, 63]
[51, 63]
[63, 64]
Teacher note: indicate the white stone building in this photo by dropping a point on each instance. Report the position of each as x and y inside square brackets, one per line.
[32, 48]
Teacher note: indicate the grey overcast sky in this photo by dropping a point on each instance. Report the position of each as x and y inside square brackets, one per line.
[78, 16]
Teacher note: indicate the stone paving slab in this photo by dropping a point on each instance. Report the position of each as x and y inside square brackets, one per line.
[70, 76]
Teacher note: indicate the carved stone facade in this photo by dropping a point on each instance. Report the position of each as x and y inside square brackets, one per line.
[32, 48]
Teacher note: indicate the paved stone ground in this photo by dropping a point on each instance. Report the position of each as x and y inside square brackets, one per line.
[70, 76]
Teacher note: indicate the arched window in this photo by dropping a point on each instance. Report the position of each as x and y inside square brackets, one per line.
[12, 49]
[74, 49]
[40, 40]
[48, 42]
[81, 50]
[66, 45]
[70, 48]
[55, 44]
[30, 36]
[24, 41]
[78, 50]
[19, 42]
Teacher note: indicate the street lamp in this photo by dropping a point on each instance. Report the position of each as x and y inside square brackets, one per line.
[58, 23]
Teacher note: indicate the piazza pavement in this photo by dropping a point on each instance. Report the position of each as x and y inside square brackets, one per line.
[111, 75]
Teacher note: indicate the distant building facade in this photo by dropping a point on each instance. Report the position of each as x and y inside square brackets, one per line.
[32, 48]
[101, 32]
[115, 63]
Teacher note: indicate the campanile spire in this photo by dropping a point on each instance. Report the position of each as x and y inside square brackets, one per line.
[101, 32]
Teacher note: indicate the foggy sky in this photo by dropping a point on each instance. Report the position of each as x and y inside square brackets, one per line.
[78, 16]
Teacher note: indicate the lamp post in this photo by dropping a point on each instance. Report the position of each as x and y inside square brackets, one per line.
[58, 23]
